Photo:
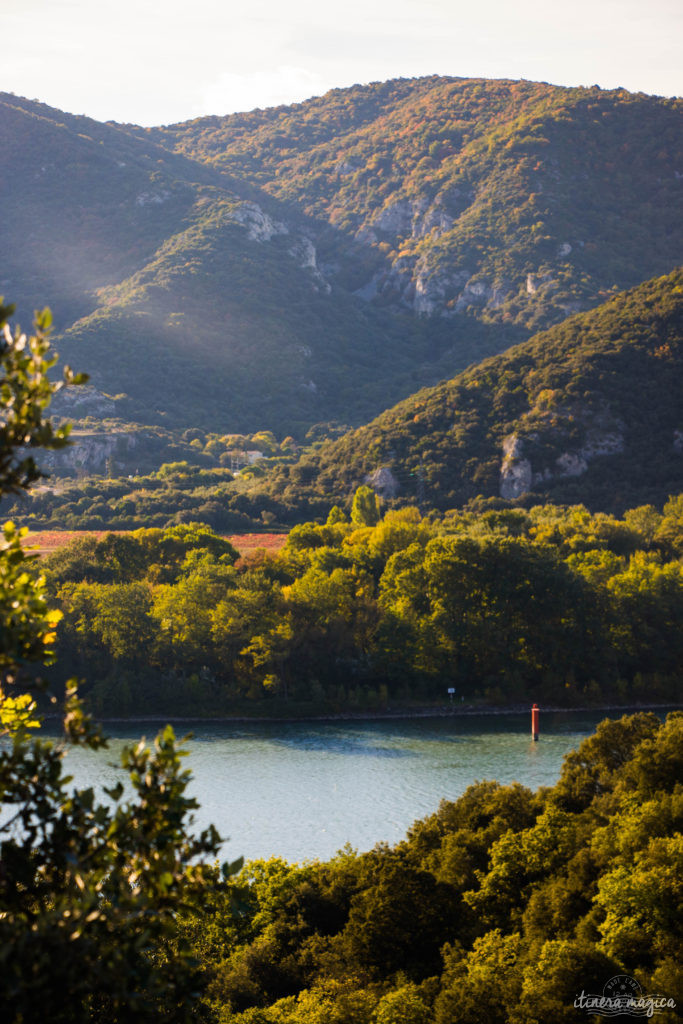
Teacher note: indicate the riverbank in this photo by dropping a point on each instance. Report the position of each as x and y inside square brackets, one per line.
[387, 714]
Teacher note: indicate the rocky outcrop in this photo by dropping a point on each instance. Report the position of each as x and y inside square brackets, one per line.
[448, 294]
[262, 228]
[515, 473]
[260, 225]
[415, 276]
[534, 282]
[90, 453]
[602, 442]
[407, 218]
[383, 482]
[304, 252]
[82, 401]
[518, 475]
[152, 198]
[413, 281]
[432, 290]
[568, 464]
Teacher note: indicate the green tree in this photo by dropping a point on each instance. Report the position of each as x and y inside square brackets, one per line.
[89, 892]
[365, 508]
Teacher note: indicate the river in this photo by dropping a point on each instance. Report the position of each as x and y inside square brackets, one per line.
[301, 790]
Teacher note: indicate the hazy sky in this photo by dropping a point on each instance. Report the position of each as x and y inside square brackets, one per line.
[160, 61]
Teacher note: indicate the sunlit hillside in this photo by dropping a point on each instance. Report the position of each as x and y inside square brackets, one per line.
[322, 261]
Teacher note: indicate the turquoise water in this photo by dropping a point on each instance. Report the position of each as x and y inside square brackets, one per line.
[302, 790]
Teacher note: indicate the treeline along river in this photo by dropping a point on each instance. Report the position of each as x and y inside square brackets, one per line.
[301, 790]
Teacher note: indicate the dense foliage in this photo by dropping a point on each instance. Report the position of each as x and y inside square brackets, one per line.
[193, 298]
[588, 411]
[503, 906]
[507, 605]
[157, 478]
[456, 190]
[89, 892]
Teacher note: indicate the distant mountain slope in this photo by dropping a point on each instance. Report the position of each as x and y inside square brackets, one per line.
[82, 204]
[322, 261]
[516, 200]
[591, 410]
[193, 297]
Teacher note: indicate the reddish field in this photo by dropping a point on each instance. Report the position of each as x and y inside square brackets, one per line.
[46, 541]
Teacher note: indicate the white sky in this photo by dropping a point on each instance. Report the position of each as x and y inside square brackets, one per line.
[161, 61]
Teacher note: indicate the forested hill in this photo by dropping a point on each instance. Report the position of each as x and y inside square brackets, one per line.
[590, 410]
[190, 298]
[322, 261]
[520, 201]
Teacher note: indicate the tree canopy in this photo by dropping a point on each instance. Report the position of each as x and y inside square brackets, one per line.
[90, 888]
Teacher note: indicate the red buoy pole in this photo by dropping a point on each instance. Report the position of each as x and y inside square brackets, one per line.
[534, 722]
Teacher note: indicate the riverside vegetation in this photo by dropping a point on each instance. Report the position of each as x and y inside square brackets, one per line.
[504, 904]
[554, 604]
[260, 273]
[89, 892]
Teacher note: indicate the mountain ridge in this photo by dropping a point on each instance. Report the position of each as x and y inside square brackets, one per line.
[320, 262]
[459, 129]
[587, 411]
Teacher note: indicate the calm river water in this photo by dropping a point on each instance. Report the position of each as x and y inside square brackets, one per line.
[302, 790]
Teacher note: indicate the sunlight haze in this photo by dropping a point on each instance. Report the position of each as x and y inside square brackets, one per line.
[156, 63]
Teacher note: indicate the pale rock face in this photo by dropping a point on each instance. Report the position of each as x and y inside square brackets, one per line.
[435, 221]
[406, 218]
[88, 453]
[512, 447]
[570, 464]
[516, 475]
[395, 219]
[602, 443]
[536, 281]
[499, 294]
[304, 252]
[475, 293]
[515, 478]
[431, 289]
[429, 293]
[346, 167]
[260, 226]
[152, 198]
[383, 481]
[429, 220]
[82, 401]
